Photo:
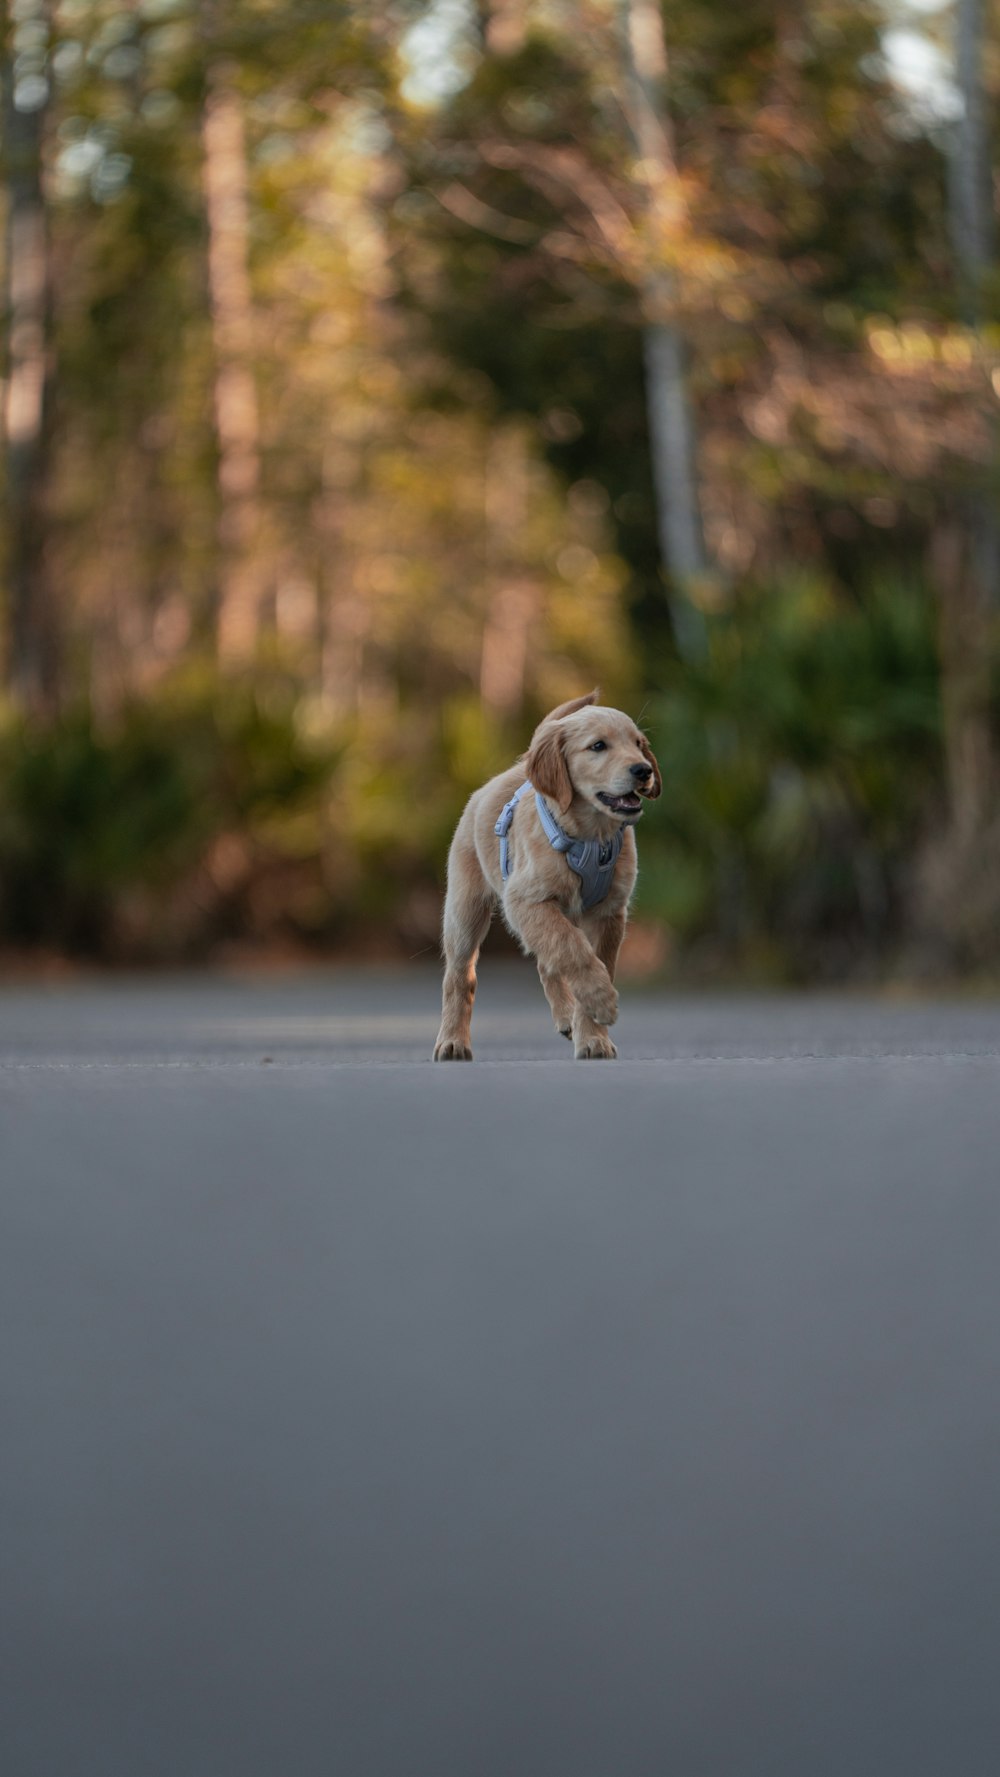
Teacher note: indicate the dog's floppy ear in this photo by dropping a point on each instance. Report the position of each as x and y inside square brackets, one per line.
[657, 783]
[546, 765]
[575, 703]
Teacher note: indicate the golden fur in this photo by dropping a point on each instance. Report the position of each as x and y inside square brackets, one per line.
[576, 952]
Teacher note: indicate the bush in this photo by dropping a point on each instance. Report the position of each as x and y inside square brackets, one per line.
[800, 760]
[142, 836]
[802, 768]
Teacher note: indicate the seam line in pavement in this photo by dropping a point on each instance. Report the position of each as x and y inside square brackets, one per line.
[564, 1065]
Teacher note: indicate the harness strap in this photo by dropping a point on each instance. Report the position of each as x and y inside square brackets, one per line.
[592, 860]
[502, 827]
[558, 840]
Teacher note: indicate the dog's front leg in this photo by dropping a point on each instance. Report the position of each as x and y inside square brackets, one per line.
[562, 951]
[591, 1041]
[561, 1001]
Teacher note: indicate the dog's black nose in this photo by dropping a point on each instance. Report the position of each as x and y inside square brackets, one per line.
[639, 772]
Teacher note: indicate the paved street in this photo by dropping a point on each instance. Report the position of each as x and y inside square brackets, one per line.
[365, 1418]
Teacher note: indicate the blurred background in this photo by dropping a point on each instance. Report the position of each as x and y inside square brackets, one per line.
[378, 376]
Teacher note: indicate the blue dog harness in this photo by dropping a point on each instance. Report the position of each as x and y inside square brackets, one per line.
[592, 860]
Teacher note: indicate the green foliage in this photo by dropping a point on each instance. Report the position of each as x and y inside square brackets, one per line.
[110, 834]
[800, 760]
[809, 211]
[433, 345]
[799, 763]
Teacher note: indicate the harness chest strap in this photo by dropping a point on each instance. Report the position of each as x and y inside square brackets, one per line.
[592, 860]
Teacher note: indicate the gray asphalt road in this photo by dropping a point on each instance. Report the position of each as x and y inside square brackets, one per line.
[528, 1419]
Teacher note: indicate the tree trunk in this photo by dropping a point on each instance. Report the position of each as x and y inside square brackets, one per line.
[237, 423]
[513, 597]
[965, 677]
[671, 422]
[503, 26]
[970, 172]
[967, 561]
[32, 661]
[671, 428]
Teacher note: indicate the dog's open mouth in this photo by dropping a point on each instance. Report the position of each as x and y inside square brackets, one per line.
[630, 803]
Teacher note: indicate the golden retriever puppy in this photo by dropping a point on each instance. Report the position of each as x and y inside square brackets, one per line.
[556, 854]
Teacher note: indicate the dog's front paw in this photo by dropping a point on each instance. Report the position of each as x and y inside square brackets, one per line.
[450, 1050]
[600, 1001]
[597, 1047]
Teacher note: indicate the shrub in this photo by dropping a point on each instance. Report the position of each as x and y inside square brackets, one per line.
[108, 831]
[800, 758]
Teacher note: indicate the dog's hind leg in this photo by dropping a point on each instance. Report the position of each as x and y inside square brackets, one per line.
[608, 941]
[468, 911]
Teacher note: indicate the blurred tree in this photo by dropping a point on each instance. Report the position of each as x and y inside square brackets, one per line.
[503, 24]
[671, 424]
[32, 654]
[967, 546]
[237, 421]
[414, 359]
[970, 162]
[798, 211]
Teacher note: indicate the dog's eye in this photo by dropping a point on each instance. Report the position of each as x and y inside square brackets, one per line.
[598, 746]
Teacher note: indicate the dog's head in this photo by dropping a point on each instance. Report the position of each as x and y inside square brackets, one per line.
[594, 757]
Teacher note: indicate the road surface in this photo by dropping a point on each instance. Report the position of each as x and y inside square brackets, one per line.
[365, 1418]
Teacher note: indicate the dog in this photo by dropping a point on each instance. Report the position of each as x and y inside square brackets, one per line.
[557, 856]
